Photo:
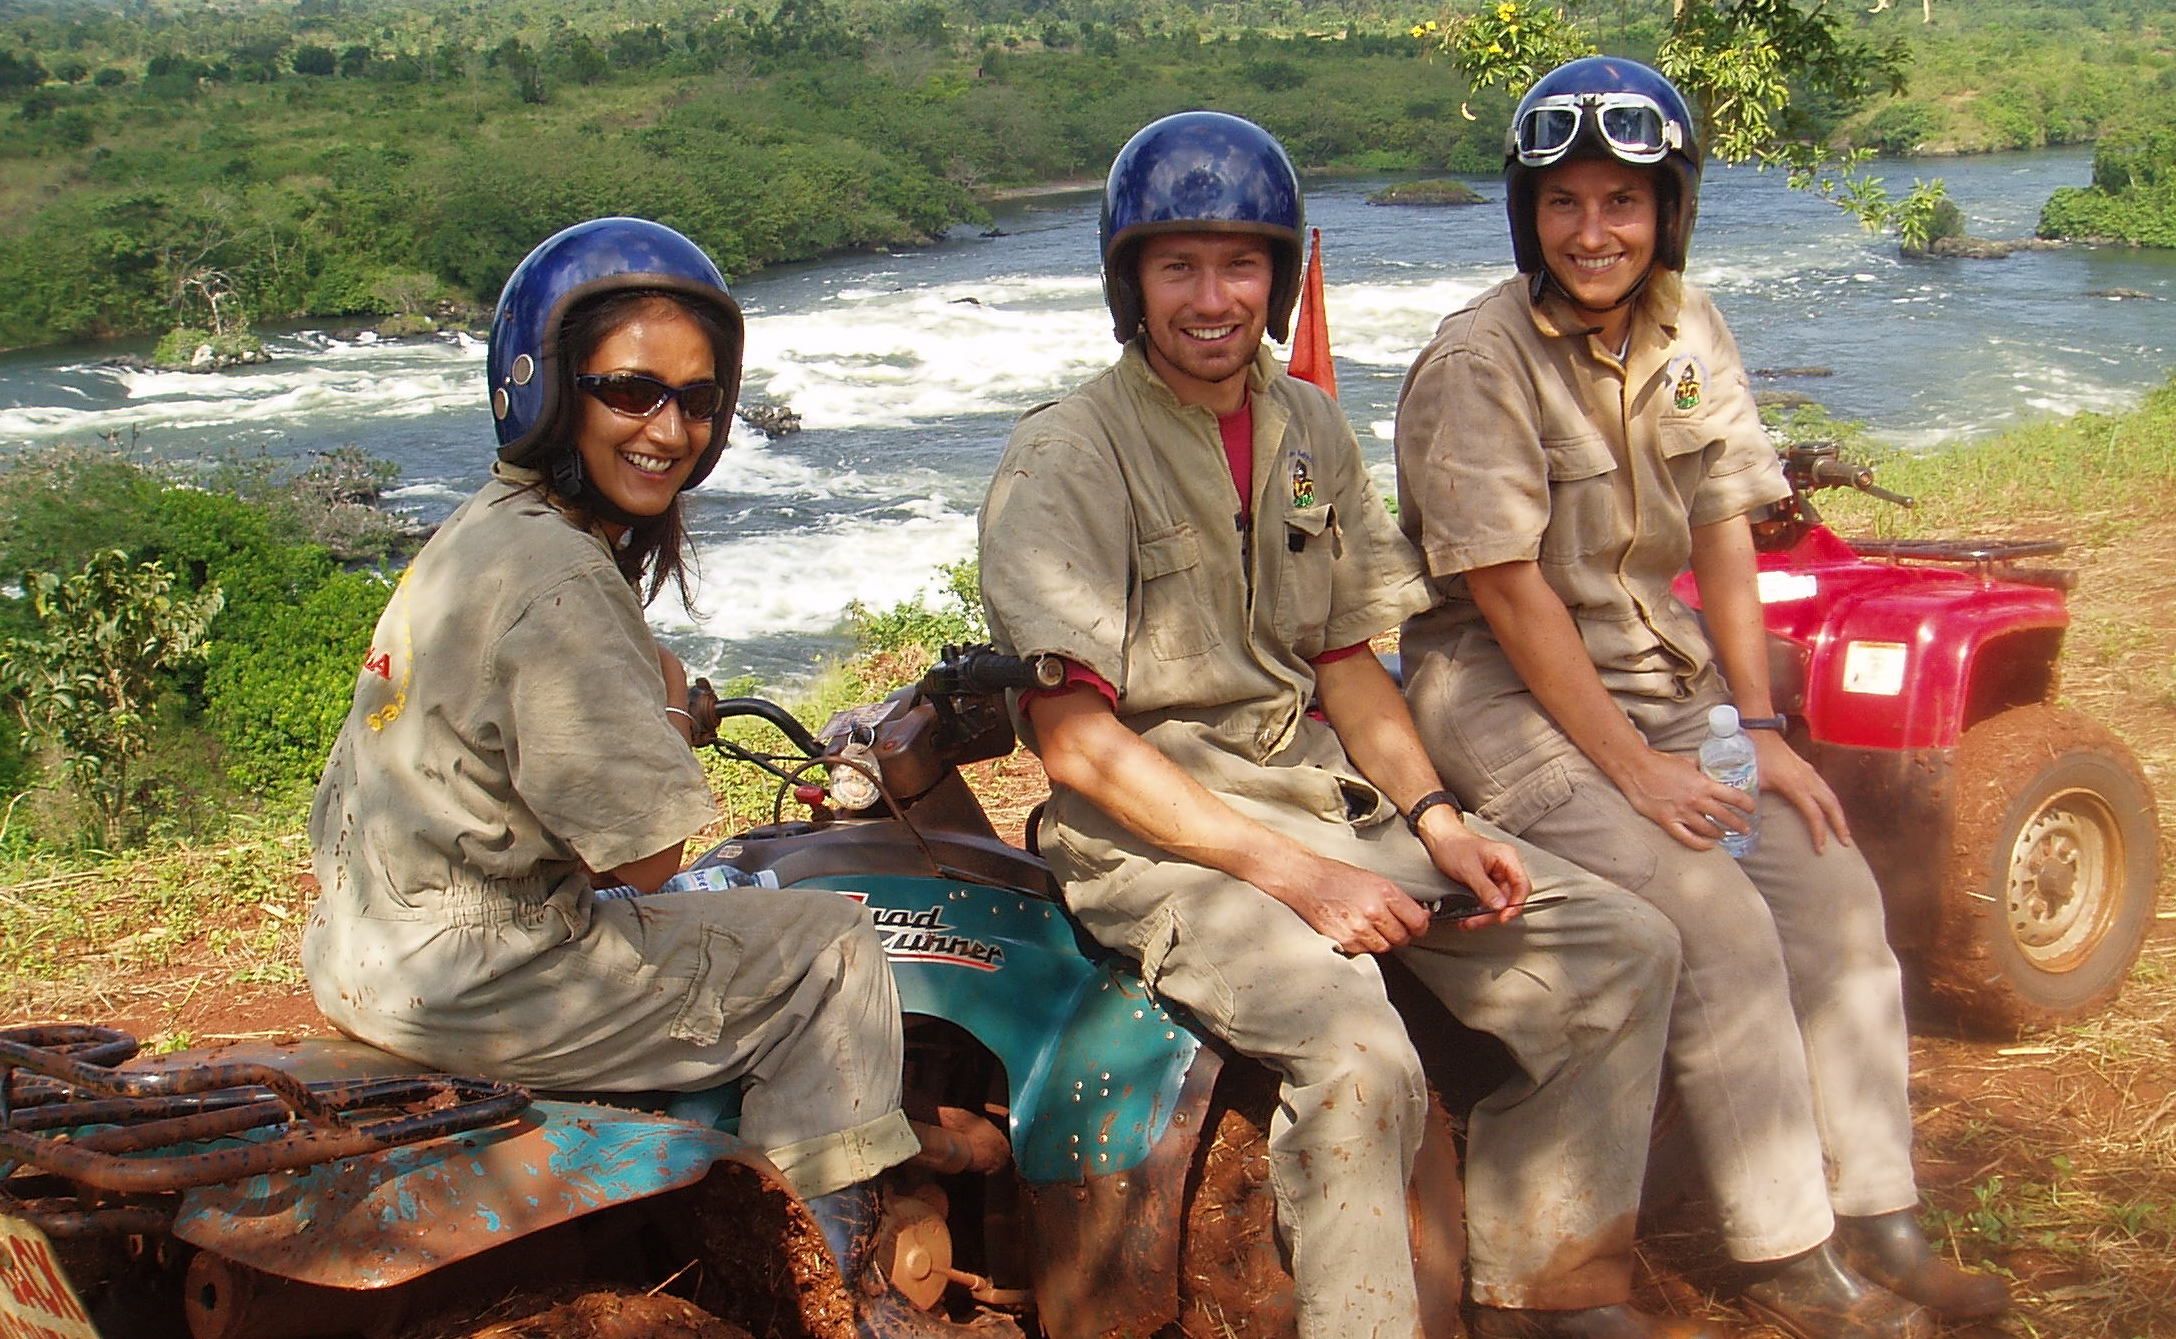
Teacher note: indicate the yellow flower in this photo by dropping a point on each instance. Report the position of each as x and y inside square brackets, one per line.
[1506, 10]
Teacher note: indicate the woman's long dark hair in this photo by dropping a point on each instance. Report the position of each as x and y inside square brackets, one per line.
[656, 549]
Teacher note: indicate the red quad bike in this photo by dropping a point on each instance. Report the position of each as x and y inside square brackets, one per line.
[2015, 840]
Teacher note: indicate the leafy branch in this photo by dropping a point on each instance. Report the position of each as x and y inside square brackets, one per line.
[1748, 66]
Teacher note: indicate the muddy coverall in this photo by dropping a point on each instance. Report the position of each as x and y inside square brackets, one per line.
[1109, 537]
[1520, 438]
[509, 728]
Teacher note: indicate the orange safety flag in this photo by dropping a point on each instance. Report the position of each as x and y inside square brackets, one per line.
[1311, 329]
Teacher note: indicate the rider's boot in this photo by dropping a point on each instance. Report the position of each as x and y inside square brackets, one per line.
[1817, 1296]
[1594, 1322]
[848, 1220]
[1890, 1249]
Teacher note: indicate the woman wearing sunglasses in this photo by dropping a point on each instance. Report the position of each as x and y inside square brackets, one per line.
[519, 738]
[1566, 446]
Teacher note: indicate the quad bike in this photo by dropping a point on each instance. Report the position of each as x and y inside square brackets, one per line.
[2015, 840]
[1093, 1162]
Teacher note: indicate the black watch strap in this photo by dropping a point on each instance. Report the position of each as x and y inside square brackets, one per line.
[1775, 723]
[1429, 801]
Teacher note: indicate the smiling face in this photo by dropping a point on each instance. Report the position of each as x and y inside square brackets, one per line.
[641, 463]
[1205, 306]
[1597, 219]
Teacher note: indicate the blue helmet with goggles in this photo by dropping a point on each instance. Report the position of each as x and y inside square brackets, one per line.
[1200, 172]
[569, 268]
[1604, 107]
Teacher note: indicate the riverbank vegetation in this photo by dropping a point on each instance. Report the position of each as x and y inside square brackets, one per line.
[2018, 74]
[2133, 195]
[186, 642]
[209, 167]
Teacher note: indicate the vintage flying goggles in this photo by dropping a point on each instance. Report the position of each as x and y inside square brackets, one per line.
[638, 396]
[1633, 126]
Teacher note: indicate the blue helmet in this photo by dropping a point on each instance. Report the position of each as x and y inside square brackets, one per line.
[1200, 172]
[573, 265]
[1604, 107]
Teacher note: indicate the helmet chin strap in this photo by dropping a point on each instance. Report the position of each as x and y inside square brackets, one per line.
[569, 482]
[1546, 281]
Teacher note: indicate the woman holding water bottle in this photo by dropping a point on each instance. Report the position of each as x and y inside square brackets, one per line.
[1566, 446]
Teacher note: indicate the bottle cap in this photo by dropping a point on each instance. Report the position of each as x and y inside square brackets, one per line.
[1723, 720]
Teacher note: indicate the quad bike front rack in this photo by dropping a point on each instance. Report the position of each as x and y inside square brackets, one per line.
[87, 1148]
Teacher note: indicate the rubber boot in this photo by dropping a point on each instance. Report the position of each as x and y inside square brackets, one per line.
[1890, 1249]
[848, 1220]
[1594, 1322]
[1817, 1296]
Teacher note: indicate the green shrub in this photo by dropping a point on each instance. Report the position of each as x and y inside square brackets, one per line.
[277, 697]
[86, 686]
[2140, 217]
[178, 348]
[1901, 128]
[955, 618]
[279, 661]
[2135, 157]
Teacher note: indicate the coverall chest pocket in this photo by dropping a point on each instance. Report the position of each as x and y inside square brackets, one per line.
[1176, 608]
[1582, 499]
[1684, 442]
[1307, 544]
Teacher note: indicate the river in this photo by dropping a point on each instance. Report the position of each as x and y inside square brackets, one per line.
[907, 370]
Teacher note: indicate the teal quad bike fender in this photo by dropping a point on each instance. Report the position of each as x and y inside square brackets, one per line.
[383, 1219]
[1109, 1088]
[1095, 1066]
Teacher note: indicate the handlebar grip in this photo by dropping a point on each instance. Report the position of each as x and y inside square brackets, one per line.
[778, 717]
[979, 672]
[1833, 473]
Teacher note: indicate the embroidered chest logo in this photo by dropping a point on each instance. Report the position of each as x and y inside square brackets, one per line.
[1303, 480]
[1687, 375]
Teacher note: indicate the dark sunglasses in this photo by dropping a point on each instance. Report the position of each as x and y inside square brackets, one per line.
[638, 396]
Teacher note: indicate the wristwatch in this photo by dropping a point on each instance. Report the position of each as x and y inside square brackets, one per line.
[1429, 801]
[1775, 723]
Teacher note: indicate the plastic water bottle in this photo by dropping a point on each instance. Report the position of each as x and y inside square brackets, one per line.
[708, 879]
[1726, 756]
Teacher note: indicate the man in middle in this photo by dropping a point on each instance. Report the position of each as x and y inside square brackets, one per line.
[1195, 534]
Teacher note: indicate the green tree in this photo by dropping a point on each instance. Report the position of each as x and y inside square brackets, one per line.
[84, 686]
[579, 59]
[19, 71]
[315, 60]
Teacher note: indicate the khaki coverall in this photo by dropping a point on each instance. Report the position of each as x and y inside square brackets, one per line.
[509, 728]
[1519, 438]
[1110, 537]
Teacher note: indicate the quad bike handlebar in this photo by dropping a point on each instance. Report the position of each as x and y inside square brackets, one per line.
[1815, 465]
[981, 671]
[895, 750]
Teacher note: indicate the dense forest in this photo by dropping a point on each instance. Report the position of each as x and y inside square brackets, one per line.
[209, 165]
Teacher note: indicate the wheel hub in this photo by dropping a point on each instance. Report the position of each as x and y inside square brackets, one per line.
[2062, 871]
